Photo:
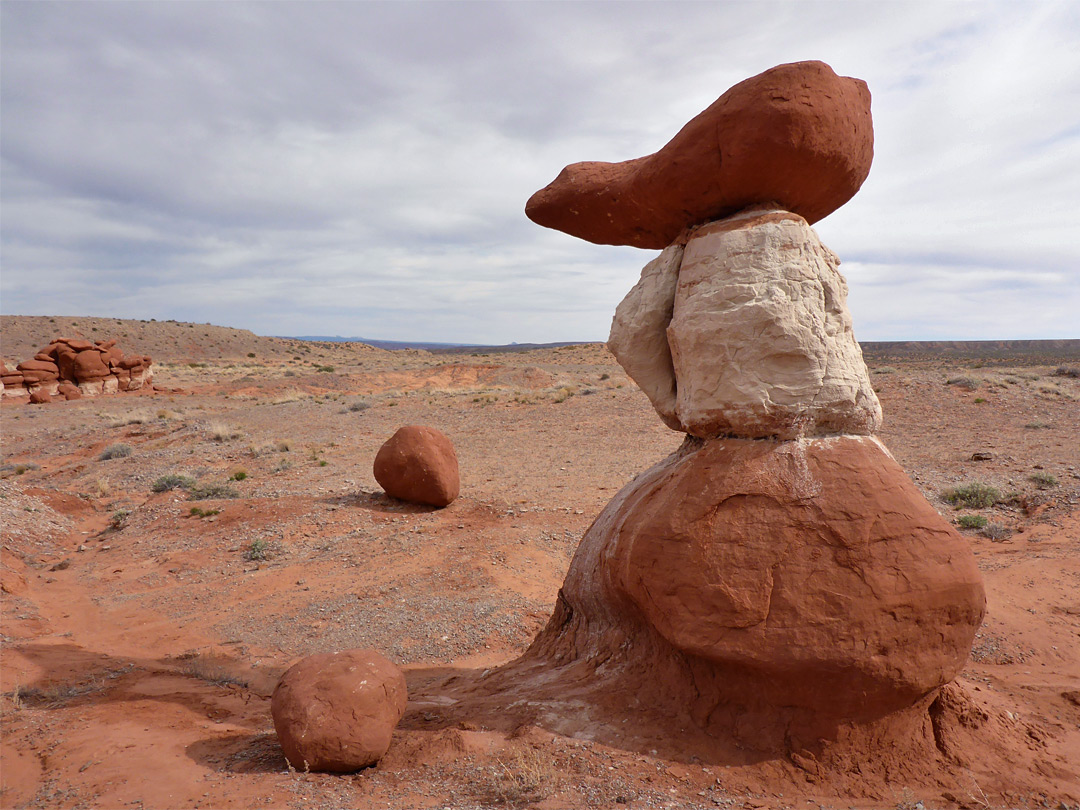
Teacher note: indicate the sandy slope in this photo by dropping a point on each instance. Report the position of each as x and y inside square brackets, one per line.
[141, 642]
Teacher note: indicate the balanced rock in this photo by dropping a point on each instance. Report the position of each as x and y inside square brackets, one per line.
[797, 135]
[336, 712]
[418, 464]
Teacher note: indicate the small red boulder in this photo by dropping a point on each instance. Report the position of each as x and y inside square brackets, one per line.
[40, 397]
[418, 464]
[336, 712]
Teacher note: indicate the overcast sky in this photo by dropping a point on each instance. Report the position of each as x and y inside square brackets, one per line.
[362, 168]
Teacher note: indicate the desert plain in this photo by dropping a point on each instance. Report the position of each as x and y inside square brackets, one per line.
[168, 553]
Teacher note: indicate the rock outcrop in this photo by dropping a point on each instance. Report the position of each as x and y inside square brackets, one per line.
[778, 582]
[337, 711]
[74, 367]
[797, 135]
[418, 464]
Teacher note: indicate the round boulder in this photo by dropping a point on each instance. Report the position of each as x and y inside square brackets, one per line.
[336, 712]
[40, 396]
[418, 464]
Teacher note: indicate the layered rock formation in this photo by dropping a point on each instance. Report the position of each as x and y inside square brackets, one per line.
[779, 578]
[74, 367]
[418, 464]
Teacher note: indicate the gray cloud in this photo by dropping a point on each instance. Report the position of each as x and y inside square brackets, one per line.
[361, 168]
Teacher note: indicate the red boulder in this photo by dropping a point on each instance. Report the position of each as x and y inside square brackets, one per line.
[336, 712]
[418, 464]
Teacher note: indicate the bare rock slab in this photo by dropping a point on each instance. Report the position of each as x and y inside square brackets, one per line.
[418, 464]
[761, 337]
[336, 712]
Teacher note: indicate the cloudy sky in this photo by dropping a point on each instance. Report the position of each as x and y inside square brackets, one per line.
[362, 168]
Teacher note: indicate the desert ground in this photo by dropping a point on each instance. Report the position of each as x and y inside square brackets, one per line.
[168, 553]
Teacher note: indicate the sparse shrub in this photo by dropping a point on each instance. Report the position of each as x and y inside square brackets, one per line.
[211, 669]
[251, 354]
[115, 451]
[996, 531]
[359, 405]
[605, 376]
[258, 550]
[885, 370]
[325, 369]
[520, 777]
[980, 400]
[289, 373]
[201, 513]
[220, 432]
[973, 496]
[282, 465]
[971, 521]
[323, 462]
[172, 481]
[967, 383]
[1036, 426]
[1066, 371]
[196, 365]
[284, 445]
[212, 491]
[1043, 480]
[118, 518]
[238, 474]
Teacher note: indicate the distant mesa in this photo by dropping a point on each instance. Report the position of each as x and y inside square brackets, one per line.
[418, 464]
[72, 368]
[797, 135]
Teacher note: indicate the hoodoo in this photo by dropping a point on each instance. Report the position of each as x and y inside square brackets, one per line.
[778, 581]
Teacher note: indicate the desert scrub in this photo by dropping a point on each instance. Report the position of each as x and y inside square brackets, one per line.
[1066, 371]
[518, 777]
[971, 521]
[1043, 480]
[258, 550]
[118, 518]
[201, 513]
[967, 383]
[238, 474]
[1037, 426]
[996, 531]
[325, 369]
[220, 432]
[115, 451]
[360, 405]
[172, 481]
[212, 491]
[973, 496]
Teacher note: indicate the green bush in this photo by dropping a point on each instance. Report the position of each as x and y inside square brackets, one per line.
[1043, 480]
[258, 550]
[173, 481]
[967, 383]
[115, 451]
[973, 496]
[971, 521]
[211, 491]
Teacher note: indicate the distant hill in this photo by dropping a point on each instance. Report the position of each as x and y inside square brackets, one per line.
[1043, 352]
[398, 345]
